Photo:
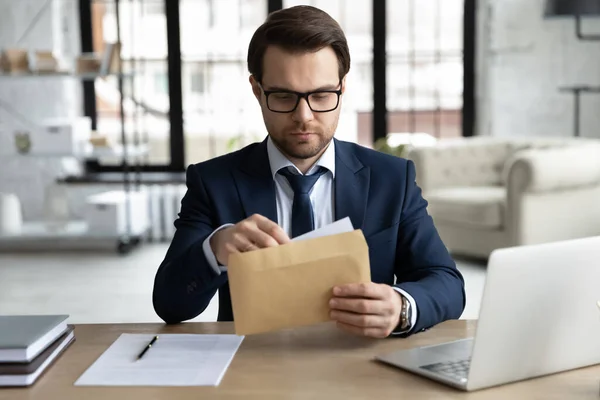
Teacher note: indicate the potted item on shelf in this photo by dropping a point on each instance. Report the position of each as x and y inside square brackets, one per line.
[23, 142]
[14, 61]
[383, 146]
[44, 62]
[111, 58]
[88, 63]
[99, 141]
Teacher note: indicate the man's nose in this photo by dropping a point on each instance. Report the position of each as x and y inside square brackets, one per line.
[303, 113]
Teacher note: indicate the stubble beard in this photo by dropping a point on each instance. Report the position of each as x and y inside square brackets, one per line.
[293, 149]
[302, 150]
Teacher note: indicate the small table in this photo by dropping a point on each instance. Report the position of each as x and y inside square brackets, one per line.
[577, 90]
[318, 362]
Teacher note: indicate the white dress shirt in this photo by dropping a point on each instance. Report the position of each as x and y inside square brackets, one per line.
[321, 198]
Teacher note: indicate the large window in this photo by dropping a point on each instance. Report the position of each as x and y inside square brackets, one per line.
[186, 91]
[424, 49]
[140, 27]
[220, 113]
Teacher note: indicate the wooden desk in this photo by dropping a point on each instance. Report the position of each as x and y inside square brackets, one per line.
[318, 362]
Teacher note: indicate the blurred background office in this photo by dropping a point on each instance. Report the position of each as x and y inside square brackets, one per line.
[104, 103]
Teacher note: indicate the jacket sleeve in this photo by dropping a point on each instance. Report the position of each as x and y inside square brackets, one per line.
[424, 267]
[185, 282]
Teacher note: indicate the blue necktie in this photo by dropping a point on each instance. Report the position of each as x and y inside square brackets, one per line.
[302, 212]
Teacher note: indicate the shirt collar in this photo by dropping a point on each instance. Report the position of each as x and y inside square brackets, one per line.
[278, 161]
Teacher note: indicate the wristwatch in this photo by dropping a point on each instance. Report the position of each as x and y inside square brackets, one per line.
[405, 315]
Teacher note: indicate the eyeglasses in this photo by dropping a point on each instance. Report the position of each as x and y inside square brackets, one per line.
[286, 101]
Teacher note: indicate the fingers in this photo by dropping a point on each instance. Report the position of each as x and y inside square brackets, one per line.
[241, 243]
[255, 232]
[271, 229]
[373, 325]
[262, 232]
[366, 309]
[368, 332]
[359, 320]
[360, 306]
[252, 234]
[368, 290]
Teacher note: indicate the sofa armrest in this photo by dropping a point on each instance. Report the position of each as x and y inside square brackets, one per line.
[553, 169]
[557, 184]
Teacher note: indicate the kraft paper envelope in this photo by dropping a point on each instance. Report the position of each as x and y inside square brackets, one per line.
[290, 285]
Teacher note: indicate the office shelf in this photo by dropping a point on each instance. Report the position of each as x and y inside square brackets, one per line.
[118, 151]
[52, 75]
[70, 235]
[74, 234]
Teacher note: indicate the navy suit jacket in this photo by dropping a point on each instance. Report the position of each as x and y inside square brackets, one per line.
[377, 191]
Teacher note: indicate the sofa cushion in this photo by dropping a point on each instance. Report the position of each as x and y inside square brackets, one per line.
[479, 206]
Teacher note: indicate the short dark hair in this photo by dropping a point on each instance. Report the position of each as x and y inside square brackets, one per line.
[298, 29]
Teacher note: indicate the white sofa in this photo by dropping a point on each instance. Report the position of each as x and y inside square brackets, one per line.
[486, 193]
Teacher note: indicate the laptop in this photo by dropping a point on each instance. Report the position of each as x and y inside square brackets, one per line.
[538, 316]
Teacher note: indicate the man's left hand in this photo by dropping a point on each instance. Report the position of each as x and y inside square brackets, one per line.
[367, 309]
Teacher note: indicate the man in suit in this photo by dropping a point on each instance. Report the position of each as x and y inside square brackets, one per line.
[301, 178]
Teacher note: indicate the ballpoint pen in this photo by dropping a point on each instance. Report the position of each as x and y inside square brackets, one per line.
[147, 347]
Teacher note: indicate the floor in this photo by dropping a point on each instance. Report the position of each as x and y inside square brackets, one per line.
[105, 287]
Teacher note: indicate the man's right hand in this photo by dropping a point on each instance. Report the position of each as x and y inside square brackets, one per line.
[255, 232]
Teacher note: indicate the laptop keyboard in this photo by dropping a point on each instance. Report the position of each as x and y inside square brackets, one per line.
[458, 369]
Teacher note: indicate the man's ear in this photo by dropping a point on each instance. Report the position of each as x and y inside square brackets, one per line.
[344, 84]
[255, 88]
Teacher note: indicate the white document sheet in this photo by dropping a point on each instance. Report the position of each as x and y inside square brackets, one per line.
[173, 360]
[342, 226]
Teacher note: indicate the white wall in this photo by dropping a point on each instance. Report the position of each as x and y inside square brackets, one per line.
[35, 98]
[522, 60]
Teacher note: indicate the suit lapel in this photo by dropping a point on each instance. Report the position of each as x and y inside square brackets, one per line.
[351, 186]
[255, 184]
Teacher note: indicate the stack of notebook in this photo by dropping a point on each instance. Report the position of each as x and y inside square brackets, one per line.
[29, 344]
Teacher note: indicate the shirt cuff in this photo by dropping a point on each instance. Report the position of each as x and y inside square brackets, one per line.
[413, 306]
[210, 256]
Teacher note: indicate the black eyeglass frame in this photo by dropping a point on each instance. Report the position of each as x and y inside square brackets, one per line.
[301, 95]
